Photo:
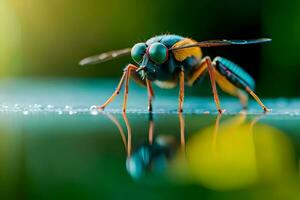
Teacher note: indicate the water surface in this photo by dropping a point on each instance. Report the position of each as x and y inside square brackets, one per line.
[53, 146]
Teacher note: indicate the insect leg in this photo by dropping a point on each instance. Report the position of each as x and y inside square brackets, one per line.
[205, 65]
[257, 99]
[116, 92]
[197, 73]
[211, 71]
[181, 90]
[119, 87]
[231, 89]
[150, 94]
[127, 77]
[232, 74]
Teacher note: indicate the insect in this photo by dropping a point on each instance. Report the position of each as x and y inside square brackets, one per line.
[168, 60]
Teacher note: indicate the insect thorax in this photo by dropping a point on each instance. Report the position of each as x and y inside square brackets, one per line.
[188, 58]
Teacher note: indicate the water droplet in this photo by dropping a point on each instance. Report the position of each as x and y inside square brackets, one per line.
[60, 112]
[93, 107]
[4, 106]
[67, 107]
[94, 112]
[50, 106]
[25, 112]
[71, 112]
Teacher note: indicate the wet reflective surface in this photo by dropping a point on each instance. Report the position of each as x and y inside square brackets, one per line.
[54, 149]
[86, 156]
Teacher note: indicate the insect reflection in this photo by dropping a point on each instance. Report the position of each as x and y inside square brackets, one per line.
[154, 154]
[232, 154]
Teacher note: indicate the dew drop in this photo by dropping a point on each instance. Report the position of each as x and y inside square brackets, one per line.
[93, 107]
[25, 112]
[71, 112]
[67, 107]
[4, 106]
[94, 112]
[50, 106]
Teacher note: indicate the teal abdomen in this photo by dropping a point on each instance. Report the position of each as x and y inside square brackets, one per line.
[234, 73]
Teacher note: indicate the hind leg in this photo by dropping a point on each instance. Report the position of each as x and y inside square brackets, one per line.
[206, 65]
[257, 99]
[234, 80]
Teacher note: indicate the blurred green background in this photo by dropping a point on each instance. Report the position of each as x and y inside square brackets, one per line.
[41, 38]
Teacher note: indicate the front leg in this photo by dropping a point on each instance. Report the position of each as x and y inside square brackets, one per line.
[130, 72]
[125, 76]
[150, 94]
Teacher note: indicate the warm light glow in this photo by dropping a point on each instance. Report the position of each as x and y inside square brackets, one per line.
[239, 154]
[10, 40]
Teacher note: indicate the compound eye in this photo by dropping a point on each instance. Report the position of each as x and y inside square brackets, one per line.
[158, 53]
[138, 51]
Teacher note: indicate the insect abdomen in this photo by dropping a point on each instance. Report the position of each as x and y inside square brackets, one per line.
[234, 73]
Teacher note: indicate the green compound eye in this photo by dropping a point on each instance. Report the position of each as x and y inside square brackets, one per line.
[138, 51]
[158, 53]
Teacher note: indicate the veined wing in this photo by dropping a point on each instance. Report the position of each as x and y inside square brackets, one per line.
[215, 43]
[103, 57]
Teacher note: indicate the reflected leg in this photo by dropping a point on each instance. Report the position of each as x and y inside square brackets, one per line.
[215, 134]
[182, 133]
[116, 122]
[151, 128]
[128, 134]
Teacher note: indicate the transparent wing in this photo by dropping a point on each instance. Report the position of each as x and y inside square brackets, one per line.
[103, 57]
[215, 43]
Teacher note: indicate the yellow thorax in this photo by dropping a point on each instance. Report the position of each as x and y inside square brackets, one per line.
[182, 54]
